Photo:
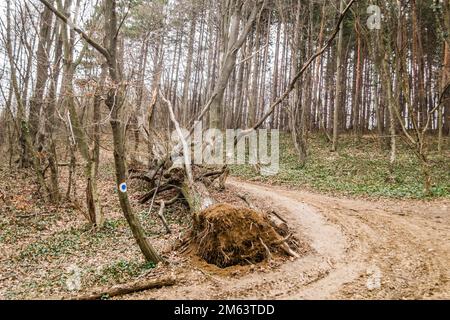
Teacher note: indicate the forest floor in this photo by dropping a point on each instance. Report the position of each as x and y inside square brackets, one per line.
[360, 250]
[359, 246]
[360, 168]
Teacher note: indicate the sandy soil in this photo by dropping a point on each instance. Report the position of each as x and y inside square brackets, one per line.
[361, 250]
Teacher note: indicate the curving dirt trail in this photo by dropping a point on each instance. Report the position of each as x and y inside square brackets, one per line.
[361, 250]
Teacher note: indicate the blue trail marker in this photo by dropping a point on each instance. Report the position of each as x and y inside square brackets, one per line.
[123, 187]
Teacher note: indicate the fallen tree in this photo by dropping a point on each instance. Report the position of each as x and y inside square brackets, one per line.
[126, 288]
[222, 234]
[192, 184]
[226, 235]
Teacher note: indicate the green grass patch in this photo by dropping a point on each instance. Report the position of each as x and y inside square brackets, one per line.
[59, 244]
[360, 167]
[71, 241]
[123, 269]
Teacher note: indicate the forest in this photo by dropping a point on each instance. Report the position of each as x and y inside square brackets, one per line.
[232, 149]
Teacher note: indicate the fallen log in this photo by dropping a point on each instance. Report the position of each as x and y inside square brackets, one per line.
[147, 176]
[197, 196]
[126, 288]
[149, 195]
[221, 234]
[278, 223]
[169, 202]
[207, 174]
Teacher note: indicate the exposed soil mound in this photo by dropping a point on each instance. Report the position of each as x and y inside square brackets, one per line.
[226, 235]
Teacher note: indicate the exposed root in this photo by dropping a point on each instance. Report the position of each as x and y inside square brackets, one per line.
[225, 235]
[269, 254]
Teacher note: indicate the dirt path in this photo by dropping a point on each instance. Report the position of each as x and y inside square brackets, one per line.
[362, 249]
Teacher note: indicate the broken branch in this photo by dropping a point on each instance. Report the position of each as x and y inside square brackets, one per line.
[126, 288]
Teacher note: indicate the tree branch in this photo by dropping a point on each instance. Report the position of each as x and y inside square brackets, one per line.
[187, 161]
[78, 30]
[301, 71]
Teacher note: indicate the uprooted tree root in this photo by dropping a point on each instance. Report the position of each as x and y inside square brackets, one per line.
[222, 234]
[226, 235]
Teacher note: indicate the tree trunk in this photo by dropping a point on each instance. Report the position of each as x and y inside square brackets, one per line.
[42, 66]
[234, 43]
[444, 111]
[50, 122]
[92, 198]
[25, 136]
[187, 75]
[114, 101]
[337, 101]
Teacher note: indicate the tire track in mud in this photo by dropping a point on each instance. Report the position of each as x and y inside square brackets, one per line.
[361, 250]
[327, 268]
[389, 255]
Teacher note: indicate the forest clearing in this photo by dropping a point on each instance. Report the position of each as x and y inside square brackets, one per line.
[217, 150]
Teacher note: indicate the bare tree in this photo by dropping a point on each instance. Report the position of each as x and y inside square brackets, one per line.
[114, 101]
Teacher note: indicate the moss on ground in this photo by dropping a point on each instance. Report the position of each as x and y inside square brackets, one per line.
[360, 167]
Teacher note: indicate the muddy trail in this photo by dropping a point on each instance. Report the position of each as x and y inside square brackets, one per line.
[360, 250]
